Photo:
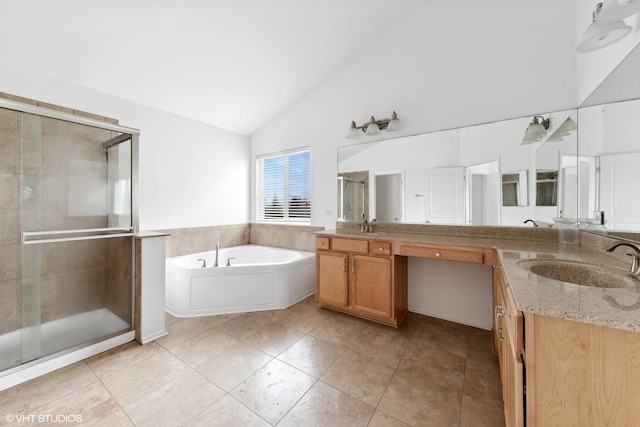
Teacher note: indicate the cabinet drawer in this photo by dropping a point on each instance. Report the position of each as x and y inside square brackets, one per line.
[350, 245]
[380, 248]
[322, 243]
[459, 255]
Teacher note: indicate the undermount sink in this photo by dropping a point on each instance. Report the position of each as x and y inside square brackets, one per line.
[579, 273]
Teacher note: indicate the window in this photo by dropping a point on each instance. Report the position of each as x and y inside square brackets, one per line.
[283, 186]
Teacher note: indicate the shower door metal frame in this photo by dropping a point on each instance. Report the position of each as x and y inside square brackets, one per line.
[107, 232]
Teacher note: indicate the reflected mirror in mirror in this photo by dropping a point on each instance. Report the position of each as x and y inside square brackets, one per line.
[515, 188]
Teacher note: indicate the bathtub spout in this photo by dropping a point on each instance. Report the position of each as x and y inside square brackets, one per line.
[215, 263]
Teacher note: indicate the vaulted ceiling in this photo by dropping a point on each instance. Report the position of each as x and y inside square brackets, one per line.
[234, 64]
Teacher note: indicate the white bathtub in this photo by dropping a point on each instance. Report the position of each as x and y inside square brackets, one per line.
[259, 278]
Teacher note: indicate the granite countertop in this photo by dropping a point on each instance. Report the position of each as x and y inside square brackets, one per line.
[611, 307]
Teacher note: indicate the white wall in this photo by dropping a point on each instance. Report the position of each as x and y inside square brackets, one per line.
[191, 174]
[512, 59]
[454, 291]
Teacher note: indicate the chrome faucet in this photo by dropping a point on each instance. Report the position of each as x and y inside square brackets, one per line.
[635, 256]
[532, 221]
[204, 262]
[215, 263]
[364, 226]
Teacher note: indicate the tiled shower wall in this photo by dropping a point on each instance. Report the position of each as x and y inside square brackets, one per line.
[183, 241]
[57, 279]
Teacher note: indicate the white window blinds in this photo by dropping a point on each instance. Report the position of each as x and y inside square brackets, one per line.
[283, 187]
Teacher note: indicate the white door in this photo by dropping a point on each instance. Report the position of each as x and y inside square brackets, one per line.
[444, 195]
[484, 191]
[619, 179]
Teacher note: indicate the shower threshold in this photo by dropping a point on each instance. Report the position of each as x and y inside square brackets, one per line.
[58, 335]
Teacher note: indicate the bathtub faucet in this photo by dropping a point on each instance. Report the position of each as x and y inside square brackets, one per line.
[215, 263]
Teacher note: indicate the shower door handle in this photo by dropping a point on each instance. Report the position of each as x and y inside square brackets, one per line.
[33, 237]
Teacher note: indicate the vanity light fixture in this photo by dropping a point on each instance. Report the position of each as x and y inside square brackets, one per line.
[615, 10]
[563, 130]
[374, 126]
[536, 130]
[602, 33]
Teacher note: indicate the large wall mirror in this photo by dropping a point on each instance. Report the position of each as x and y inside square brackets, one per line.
[583, 170]
[479, 175]
[609, 165]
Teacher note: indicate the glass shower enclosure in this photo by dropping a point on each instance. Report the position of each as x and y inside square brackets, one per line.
[67, 220]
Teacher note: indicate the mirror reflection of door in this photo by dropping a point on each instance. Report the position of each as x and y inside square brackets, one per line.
[618, 179]
[444, 195]
[389, 198]
[568, 183]
[484, 188]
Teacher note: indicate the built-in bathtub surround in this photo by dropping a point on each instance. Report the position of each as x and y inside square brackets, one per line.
[190, 240]
[247, 278]
[297, 237]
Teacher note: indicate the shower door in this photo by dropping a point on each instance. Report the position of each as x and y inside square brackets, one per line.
[75, 246]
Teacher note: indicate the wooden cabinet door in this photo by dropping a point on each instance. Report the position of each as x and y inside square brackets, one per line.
[498, 329]
[371, 285]
[332, 278]
[513, 385]
[511, 366]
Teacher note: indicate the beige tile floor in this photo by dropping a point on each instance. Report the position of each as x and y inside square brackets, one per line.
[301, 366]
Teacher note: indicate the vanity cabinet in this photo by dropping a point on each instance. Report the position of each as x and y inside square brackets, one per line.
[361, 277]
[581, 374]
[559, 372]
[508, 336]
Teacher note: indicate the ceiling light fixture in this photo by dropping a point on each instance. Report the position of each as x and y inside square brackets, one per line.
[536, 130]
[373, 126]
[603, 33]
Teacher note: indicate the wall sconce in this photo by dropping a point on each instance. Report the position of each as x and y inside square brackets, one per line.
[563, 130]
[374, 126]
[536, 130]
[607, 26]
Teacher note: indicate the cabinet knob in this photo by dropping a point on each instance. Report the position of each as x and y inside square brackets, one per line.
[438, 254]
[321, 243]
[380, 248]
